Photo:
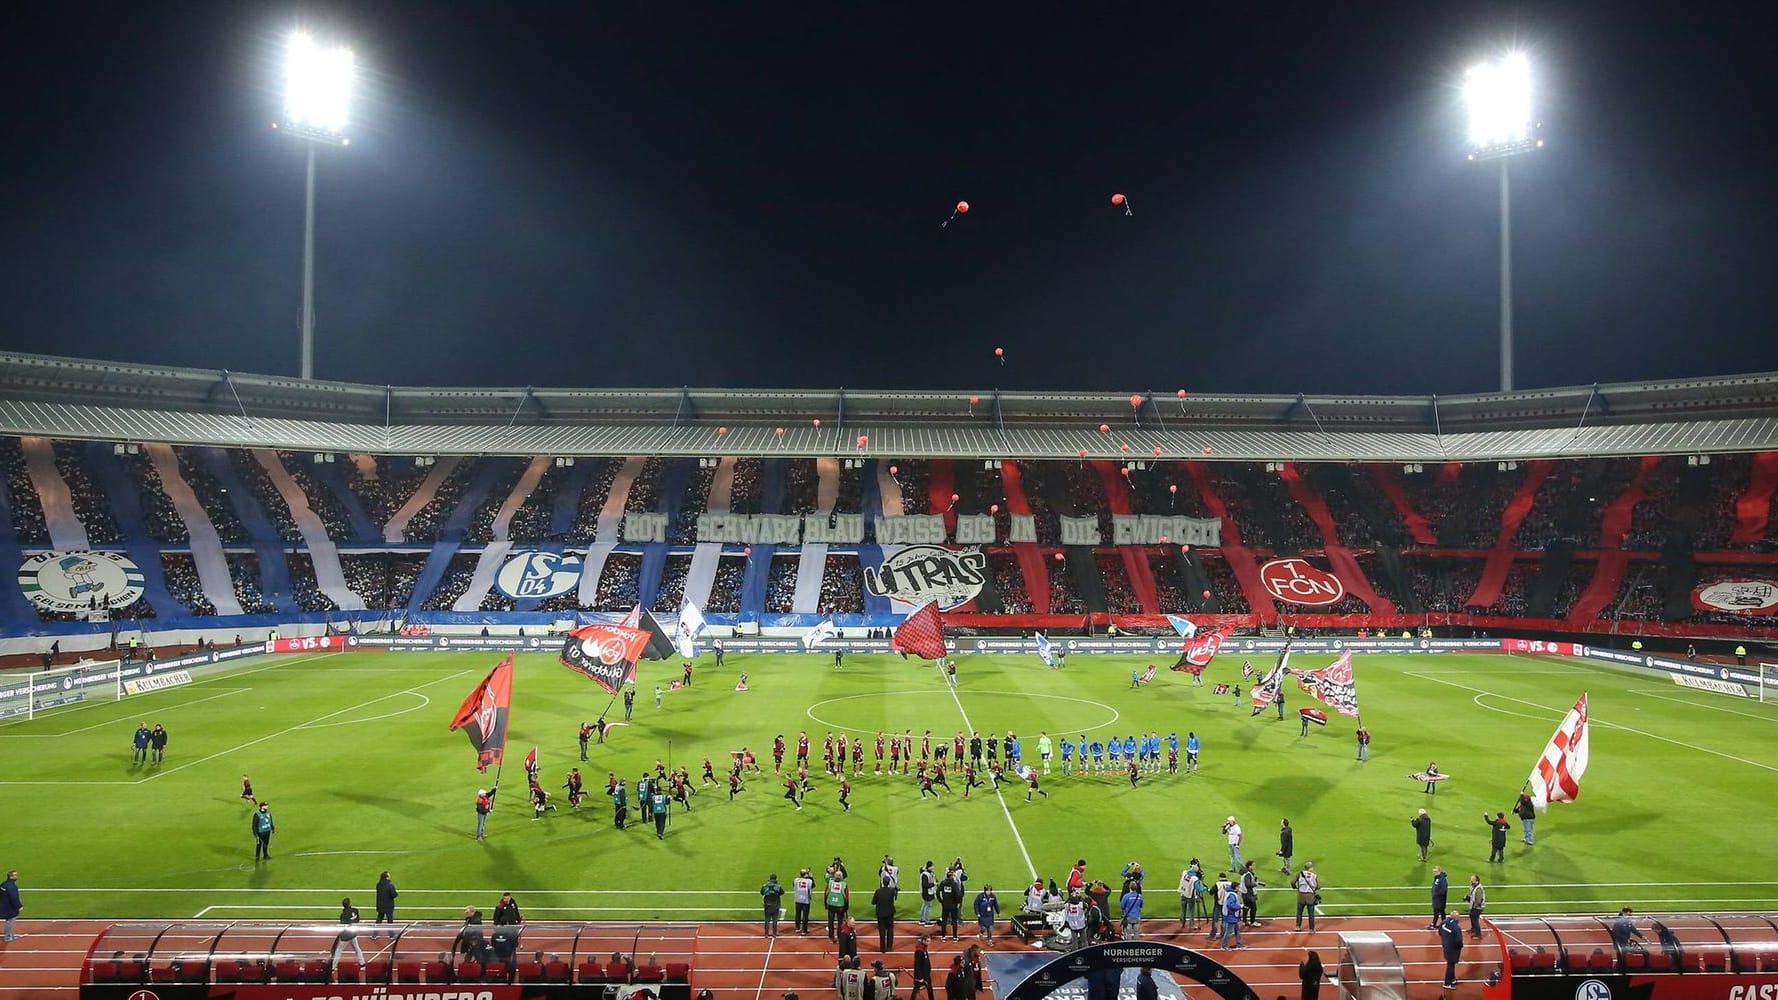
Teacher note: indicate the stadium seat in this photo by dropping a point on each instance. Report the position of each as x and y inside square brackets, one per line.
[1769, 962]
[438, 971]
[315, 971]
[1574, 961]
[101, 972]
[1691, 961]
[649, 974]
[494, 972]
[129, 971]
[376, 970]
[467, 971]
[1716, 960]
[555, 971]
[407, 972]
[1519, 960]
[162, 973]
[191, 971]
[678, 972]
[288, 970]
[1635, 961]
[1599, 961]
[1662, 962]
[1543, 962]
[617, 972]
[591, 972]
[347, 971]
[529, 971]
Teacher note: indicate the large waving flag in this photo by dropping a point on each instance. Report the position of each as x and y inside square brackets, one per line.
[1556, 778]
[1266, 691]
[633, 619]
[483, 715]
[1198, 653]
[1184, 626]
[823, 631]
[921, 633]
[691, 625]
[1044, 652]
[605, 653]
[1332, 685]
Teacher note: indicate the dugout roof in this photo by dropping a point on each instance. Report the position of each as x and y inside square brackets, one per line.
[96, 400]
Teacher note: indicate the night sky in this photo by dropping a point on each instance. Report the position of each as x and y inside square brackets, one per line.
[750, 195]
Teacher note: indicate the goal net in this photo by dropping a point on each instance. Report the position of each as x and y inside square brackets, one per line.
[1768, 682]
[29, 694]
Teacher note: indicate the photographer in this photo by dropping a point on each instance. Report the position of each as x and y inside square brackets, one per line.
[1308, 894]
[1250, 885]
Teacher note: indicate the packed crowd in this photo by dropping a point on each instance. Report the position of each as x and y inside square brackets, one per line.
[382, 579]
[27, 510]
[89, 504]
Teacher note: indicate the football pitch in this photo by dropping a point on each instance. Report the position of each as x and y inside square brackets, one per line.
[353, 754]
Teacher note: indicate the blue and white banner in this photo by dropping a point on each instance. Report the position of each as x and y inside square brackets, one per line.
[823, 631]
[1184, 626]
[689, 627]
[1043, 650]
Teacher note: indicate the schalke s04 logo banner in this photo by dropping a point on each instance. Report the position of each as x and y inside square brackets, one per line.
[915, 574]
[77, 581]
[537, 575]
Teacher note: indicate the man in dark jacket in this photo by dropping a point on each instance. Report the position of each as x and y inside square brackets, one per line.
[950, 905]
[1526, 810]
[1441, 888]
[1450, 939]
[1422, 824]
[1497, 828]
[157, 741]
[262, 827]
[883, 902]
[506, 912]
[771, 895]
[922, 970]
[10, 906]
[386, 894]
[1286, 845]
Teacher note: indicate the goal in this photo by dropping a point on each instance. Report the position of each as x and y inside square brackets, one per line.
[1768, 682]
[43, 690]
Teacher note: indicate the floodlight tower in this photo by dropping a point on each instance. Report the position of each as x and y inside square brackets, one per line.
[1501, 127]
[317, 91]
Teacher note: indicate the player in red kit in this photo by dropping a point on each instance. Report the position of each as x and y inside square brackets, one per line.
[880, 742]
[778, 754]
[858, 755]
[802, 749]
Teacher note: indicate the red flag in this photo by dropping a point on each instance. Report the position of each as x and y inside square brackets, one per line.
[605, 653]
[921, 633]
[531, 761]
[483, 715]
[1200, 650]
[1332, 685]
[633, 619]
[1556, 778]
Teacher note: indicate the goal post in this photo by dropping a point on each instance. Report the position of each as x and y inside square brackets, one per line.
[43, 690]
[1768, 682]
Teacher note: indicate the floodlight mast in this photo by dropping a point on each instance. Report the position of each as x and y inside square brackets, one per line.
[318, 90]
[1501, 127]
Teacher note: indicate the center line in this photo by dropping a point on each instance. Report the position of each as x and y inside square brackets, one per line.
[997, 794]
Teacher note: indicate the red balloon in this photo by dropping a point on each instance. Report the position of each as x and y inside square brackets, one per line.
[1208, 450]
[1173, 488]
[894, 470]
[1123, 447]
[1058, 557]
[722, 431]
[1182, 394]
[1206, 595]
[974, 400]
[1083, 453]
[863, 439]
[1105, 428]
[780, 432]
[1117, 199]
[954, 498]
[1126, 471]
[993, 508]
[1157, 453]
[963, 208]
[817, 422]
[1135, 399]
[1185, 548]
[747, 551]
[1000, 352]
[1163, 539]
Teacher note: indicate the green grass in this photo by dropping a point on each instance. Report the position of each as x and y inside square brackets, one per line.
[353, 753]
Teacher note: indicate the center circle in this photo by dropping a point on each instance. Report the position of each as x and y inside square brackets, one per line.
[943, 705]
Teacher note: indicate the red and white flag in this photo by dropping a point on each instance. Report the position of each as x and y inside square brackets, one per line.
[921, 633]
[1556, 778]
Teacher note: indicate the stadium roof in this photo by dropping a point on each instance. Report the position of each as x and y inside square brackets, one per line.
[95, 400]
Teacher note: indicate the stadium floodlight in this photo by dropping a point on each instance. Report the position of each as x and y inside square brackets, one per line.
[1501, 126]
[317, 96]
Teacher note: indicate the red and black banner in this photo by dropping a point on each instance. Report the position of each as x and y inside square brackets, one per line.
[1200, 650]
[605, 653]
[483, 715]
